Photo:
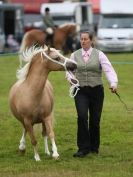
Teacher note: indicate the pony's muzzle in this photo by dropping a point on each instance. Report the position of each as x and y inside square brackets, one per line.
[71, 66]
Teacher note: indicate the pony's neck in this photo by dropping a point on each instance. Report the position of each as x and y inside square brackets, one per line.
[37, 75]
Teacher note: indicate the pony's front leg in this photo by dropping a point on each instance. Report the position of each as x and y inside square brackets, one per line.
[29, 129]
[22, 145]
[50, 133]
[55, 154]
[36, 155]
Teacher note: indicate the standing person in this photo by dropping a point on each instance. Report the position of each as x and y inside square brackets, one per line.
[48, 21]
[90, 96]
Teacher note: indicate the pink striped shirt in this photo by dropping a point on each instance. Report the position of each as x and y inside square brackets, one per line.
[105, 65]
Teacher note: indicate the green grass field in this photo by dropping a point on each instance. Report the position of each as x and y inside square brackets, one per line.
[116, 150]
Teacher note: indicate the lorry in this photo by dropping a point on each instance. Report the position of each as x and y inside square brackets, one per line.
[115, 28]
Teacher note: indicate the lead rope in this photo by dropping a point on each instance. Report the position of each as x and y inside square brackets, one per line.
[125, 105]
[74, 85]
[74, 82]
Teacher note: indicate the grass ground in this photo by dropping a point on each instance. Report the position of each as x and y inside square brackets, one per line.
[116, 151]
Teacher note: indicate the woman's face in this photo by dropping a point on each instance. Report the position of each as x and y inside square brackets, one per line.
[85, 41]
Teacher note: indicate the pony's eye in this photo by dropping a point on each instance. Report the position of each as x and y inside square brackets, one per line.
[57, 58]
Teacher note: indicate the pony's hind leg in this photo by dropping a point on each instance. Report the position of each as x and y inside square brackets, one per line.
[29, 129]
[22, 145]
[45, 139]
[50, 133]
[46, 145]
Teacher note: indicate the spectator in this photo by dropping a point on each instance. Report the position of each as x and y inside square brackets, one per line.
[12, 43]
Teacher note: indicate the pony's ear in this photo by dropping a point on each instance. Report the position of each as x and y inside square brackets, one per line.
[45, 47]
[48, 49]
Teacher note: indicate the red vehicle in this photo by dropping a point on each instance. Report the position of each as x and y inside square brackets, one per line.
[33, 6]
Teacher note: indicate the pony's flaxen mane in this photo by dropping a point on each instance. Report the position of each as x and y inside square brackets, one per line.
[29, 53]
[27, 56]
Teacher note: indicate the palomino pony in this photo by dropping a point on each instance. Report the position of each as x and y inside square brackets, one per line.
[60, 37]
[31, 97]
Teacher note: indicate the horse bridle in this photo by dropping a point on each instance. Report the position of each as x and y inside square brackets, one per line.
[55, 61]
[74, 86]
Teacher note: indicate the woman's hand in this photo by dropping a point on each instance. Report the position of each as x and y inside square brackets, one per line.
[113, 89]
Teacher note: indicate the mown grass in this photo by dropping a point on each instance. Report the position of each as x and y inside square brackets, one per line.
[116, 151]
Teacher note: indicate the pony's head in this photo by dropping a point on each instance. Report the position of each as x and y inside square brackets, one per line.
[56, 60]
[46, 58]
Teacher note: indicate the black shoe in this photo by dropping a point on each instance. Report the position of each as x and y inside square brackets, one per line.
[80, 154]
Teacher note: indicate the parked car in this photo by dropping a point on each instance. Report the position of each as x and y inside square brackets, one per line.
[115, 30]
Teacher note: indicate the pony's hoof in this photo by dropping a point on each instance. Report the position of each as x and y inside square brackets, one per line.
[37, 158]
[56, 157]
[48, 154]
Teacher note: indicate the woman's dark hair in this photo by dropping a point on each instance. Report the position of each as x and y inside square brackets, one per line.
[90, 34]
